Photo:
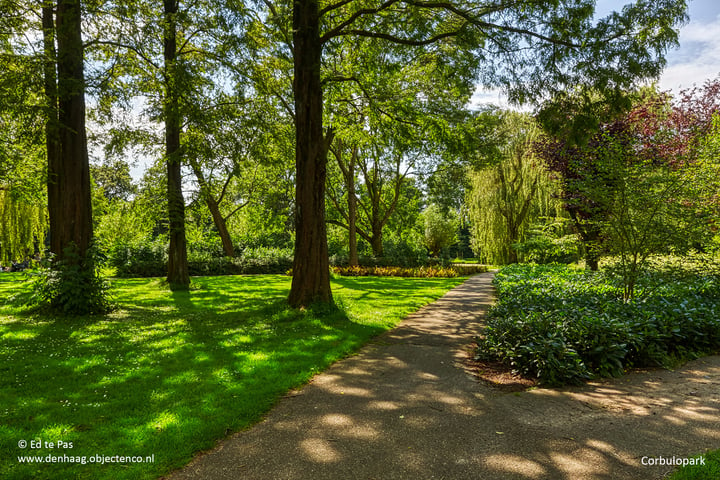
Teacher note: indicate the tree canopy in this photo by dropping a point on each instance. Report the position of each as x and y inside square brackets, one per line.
[267, 114]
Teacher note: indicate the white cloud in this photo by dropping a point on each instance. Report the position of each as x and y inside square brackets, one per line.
[697, 59]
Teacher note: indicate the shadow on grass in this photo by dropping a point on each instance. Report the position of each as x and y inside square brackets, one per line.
[170, 372]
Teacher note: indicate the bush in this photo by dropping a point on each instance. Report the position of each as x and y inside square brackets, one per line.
[266, 260]
[541, 248]
[71, 286]
[149, 259]
[563, 325]
[394, 271]
[143, 258]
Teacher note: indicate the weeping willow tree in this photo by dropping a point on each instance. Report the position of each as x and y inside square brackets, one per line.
[23, 226]
[508, 197]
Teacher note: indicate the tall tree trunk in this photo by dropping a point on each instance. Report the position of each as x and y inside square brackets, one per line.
[352, 208]
[214, 207]
[221, 226]
[69, 176]
[52, 145]
[376, 240]
[311, 267]
[590, 237]
[178, 272]
[376, 223]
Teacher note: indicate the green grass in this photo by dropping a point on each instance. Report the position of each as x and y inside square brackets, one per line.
[465, 260]
[709, 471]
[168, 373]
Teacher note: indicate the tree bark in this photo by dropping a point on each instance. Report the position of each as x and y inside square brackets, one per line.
[69, 174]
[352, 209]
[52, 145]
[214, 207]
[178, 272]
[221, 225]
[311, 267]
[590, 236]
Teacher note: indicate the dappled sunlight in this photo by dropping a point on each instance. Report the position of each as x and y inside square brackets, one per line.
[336, 420]
[180, 369]
[515, 464]
[583, 464]
[383, 405]
[163, 421]
[711, 433]
[698, 412]
[674, 420]
[319, 450]
[600, 446]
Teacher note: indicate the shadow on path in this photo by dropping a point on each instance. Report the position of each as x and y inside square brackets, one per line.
[404, 408]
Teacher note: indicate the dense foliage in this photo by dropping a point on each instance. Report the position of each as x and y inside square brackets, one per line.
[69, 286]
[564, 325]
[643, 181]
[512, 196]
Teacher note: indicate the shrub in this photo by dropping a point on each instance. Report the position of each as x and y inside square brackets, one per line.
[542, 248]
[394, 271]
[142, 258]
[72, 285]
[149, 259]
[563, 325]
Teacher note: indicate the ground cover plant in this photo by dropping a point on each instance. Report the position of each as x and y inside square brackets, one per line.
[562, 324]
[168, 373]
[709, 471]
[425, 271]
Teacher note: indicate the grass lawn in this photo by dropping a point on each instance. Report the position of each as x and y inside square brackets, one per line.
[709, 471]
[465, 260]
[169, 373]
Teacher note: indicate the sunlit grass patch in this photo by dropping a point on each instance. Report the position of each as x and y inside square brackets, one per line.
[169, 373]
[710, 470]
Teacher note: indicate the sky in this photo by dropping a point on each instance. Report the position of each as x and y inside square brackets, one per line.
[696, 60]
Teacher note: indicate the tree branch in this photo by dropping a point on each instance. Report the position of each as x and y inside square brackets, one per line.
[390, 38]
[337, 31]
[132, 48]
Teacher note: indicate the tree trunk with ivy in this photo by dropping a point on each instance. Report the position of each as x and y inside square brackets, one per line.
[311, 266]
[178, 272]
[69, 174]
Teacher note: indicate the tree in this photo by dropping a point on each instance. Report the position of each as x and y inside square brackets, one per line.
[23, 170]
[178, 60]
[638, 180]
[577, 172]
[391, 120]
[232, 151]
[72, 285]
[178, 271]
[24, 226]
[661, 178]
[383, 171]
[440, 229]
[529, 48]
[507, 198]
[114, 179]
[473, 144]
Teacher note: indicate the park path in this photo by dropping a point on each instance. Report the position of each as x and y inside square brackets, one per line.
[404, 408]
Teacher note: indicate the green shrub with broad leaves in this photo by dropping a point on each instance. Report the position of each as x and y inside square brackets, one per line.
[70, 286]
[564, 325]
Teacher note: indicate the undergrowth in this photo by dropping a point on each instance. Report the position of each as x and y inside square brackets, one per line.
[564, 325]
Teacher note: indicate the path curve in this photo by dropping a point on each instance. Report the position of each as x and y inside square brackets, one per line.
[404, 408]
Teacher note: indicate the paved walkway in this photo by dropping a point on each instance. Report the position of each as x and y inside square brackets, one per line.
[403, 408]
